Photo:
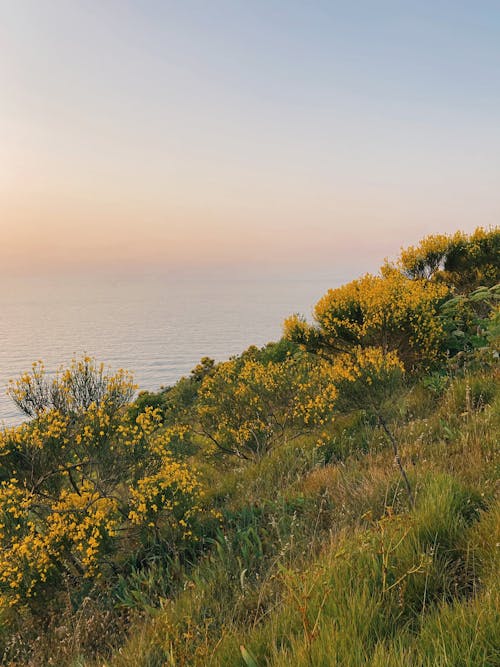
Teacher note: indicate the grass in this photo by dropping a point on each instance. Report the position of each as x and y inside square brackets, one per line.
[324, 563]
[320, 560]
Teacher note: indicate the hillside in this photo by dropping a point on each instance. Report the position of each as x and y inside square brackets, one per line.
[329, 499]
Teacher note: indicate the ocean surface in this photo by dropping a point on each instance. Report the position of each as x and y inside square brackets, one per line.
[156, 326]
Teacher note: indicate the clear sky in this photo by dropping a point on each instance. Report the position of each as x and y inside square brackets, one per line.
[230, 133]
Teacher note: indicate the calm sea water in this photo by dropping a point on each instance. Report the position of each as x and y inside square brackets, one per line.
[159, 328]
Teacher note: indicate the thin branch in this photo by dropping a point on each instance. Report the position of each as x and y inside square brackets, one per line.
[221, 447]
[397, 459]
[58, 471]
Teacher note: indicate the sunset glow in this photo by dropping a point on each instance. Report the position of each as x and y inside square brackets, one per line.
[153, 133]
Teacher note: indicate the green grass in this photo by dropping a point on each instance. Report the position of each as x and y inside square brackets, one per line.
[327, 565]
[320, 560]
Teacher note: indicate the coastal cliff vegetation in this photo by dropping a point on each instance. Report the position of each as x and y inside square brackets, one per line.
[328, 499]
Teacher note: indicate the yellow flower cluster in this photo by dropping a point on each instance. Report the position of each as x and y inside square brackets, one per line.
[24, 558]
[32, 548]
[391, 312]
[72, 390]
[315, 395]
[171, 495]
[247, 407]
[459, 260]
[82, 522]
[82, 479]
[425, 259]
[51, 426]
[367, 365]
[30, 389]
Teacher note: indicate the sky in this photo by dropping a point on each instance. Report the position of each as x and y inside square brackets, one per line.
[228, 134]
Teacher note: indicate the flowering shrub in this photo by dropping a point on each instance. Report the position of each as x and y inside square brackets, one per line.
[389, 311]
[246, 408]
[370, 330]
[73, 389]
[78, 479]
[429, 257]
[166, 499]
[366, 378]
[462, 261]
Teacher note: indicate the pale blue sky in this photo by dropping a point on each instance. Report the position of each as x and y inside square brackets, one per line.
[244, 133]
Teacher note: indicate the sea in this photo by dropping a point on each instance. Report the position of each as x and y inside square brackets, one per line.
[157, 326]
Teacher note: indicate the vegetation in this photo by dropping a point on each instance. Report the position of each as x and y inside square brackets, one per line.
[462, 261]
[247, 407]
[329, 499]
[81, 478]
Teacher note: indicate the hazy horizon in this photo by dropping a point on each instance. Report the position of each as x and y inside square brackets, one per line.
[157, 328]
[277, 137]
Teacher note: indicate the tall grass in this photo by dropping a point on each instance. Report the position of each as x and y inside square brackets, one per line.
[320, 560]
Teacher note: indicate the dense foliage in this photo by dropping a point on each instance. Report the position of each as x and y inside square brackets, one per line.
[461, 261]
[329, 499]
[248, 407]
[80, 478]
[389, 311]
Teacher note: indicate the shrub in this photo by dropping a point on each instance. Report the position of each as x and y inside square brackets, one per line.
[462, 261]
[390, 312]
[78, 481]
[246, 408]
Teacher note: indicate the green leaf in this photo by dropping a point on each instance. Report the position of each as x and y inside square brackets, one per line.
[479, 296]
[249, 659]
[451, 303]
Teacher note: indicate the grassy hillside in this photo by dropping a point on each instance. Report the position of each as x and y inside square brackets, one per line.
[322, 562]
[330, 499]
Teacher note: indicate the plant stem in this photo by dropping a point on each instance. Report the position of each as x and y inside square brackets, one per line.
[398, 459]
